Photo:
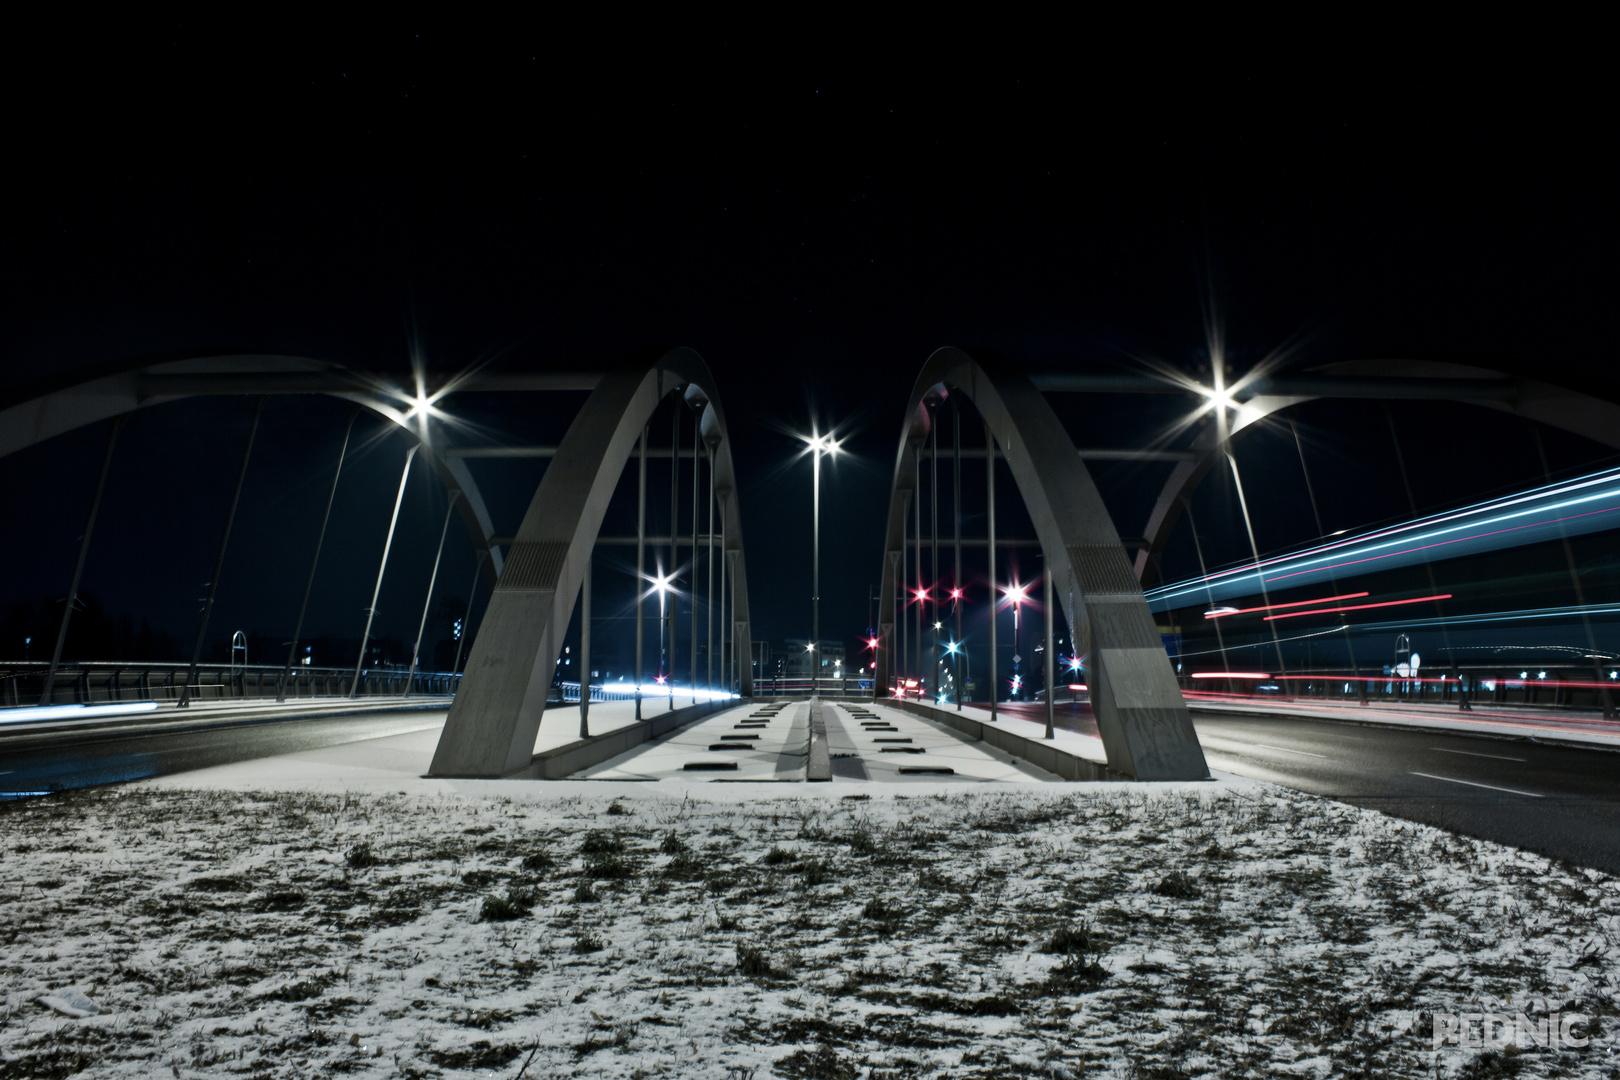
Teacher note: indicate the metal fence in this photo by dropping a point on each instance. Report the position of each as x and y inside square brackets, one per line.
[95, 682]
[1536, 687]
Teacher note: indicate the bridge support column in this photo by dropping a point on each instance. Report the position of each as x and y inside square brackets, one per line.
[78, 568]
[956, 578]
[315, 560]
[585, 653]
[219, 562]
[668, 664]
[934, 664]
[1051, 657]
[466, 620]
[371, 612]
[697, 477]
[427, 601]
[708, 634]
[990, 519]
[641, 559]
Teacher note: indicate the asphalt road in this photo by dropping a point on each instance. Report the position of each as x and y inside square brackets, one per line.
[1555, 800]
[109, 757]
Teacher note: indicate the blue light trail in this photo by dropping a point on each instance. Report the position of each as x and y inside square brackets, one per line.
[1570, 508]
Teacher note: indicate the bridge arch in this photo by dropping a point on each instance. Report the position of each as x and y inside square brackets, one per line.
[496, 716]
[1582, 414]
[35, 414]
[1140, 712]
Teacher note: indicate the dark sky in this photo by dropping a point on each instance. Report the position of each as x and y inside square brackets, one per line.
[813, 231]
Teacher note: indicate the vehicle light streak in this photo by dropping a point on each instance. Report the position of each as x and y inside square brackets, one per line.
[1358, 607]
[73, 712]
[1574, 507]
[1273, 607]
[1443, 543]
[1230, 675]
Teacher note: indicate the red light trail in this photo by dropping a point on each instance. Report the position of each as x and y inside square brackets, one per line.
[1274, 607]
[1230, 675]
[1357, 607]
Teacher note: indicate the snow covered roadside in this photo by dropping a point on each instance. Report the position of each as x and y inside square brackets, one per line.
[746, 931]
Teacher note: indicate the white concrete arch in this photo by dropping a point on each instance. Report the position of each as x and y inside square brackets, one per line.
[496, 717]
[1140, 713]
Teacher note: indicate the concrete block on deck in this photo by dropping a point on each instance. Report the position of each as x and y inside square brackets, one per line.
[566, 760]
[1037, 752]
[819, 766]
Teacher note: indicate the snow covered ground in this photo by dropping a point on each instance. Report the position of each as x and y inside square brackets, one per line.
[749, 930]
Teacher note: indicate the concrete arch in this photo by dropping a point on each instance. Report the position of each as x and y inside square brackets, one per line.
[1582, 414]
[35, 414]
[1140, 712]
[496, 717]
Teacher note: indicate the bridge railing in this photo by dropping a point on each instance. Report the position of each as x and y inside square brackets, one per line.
[101, 682]
[1561, 687]
[768, 686]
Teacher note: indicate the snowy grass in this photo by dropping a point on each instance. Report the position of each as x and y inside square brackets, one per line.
[1069, 930]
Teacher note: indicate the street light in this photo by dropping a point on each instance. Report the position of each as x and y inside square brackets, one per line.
[818, 445]
[663, 586]
[1016, 595]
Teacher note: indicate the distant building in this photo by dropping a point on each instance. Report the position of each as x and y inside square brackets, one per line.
[799, 659]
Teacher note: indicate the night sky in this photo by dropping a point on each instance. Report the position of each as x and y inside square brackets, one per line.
[814, 233]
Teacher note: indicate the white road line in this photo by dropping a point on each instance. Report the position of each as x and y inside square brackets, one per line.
[1285, 750]
[1472, 783]
[1470, 753]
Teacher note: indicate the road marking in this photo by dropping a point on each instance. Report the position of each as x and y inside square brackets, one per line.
[1285, 750]
[1470, 753]
[1473, 783]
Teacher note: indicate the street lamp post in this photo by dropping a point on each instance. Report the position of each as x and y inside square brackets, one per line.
[815, 569]
[1048, 656]
[819, 445]
[662, 586]
[1016, 595]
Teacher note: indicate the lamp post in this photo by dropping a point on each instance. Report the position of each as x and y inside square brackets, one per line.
[1016, 595]
[938, 662]
[662, 586]
[819, 445]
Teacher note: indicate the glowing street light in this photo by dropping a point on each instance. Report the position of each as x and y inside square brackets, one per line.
[819, 445]
[1017, 595]
[663, 586]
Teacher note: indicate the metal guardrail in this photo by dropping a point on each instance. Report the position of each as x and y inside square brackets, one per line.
[99, 682]
[766, 686]
[1561, 687]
